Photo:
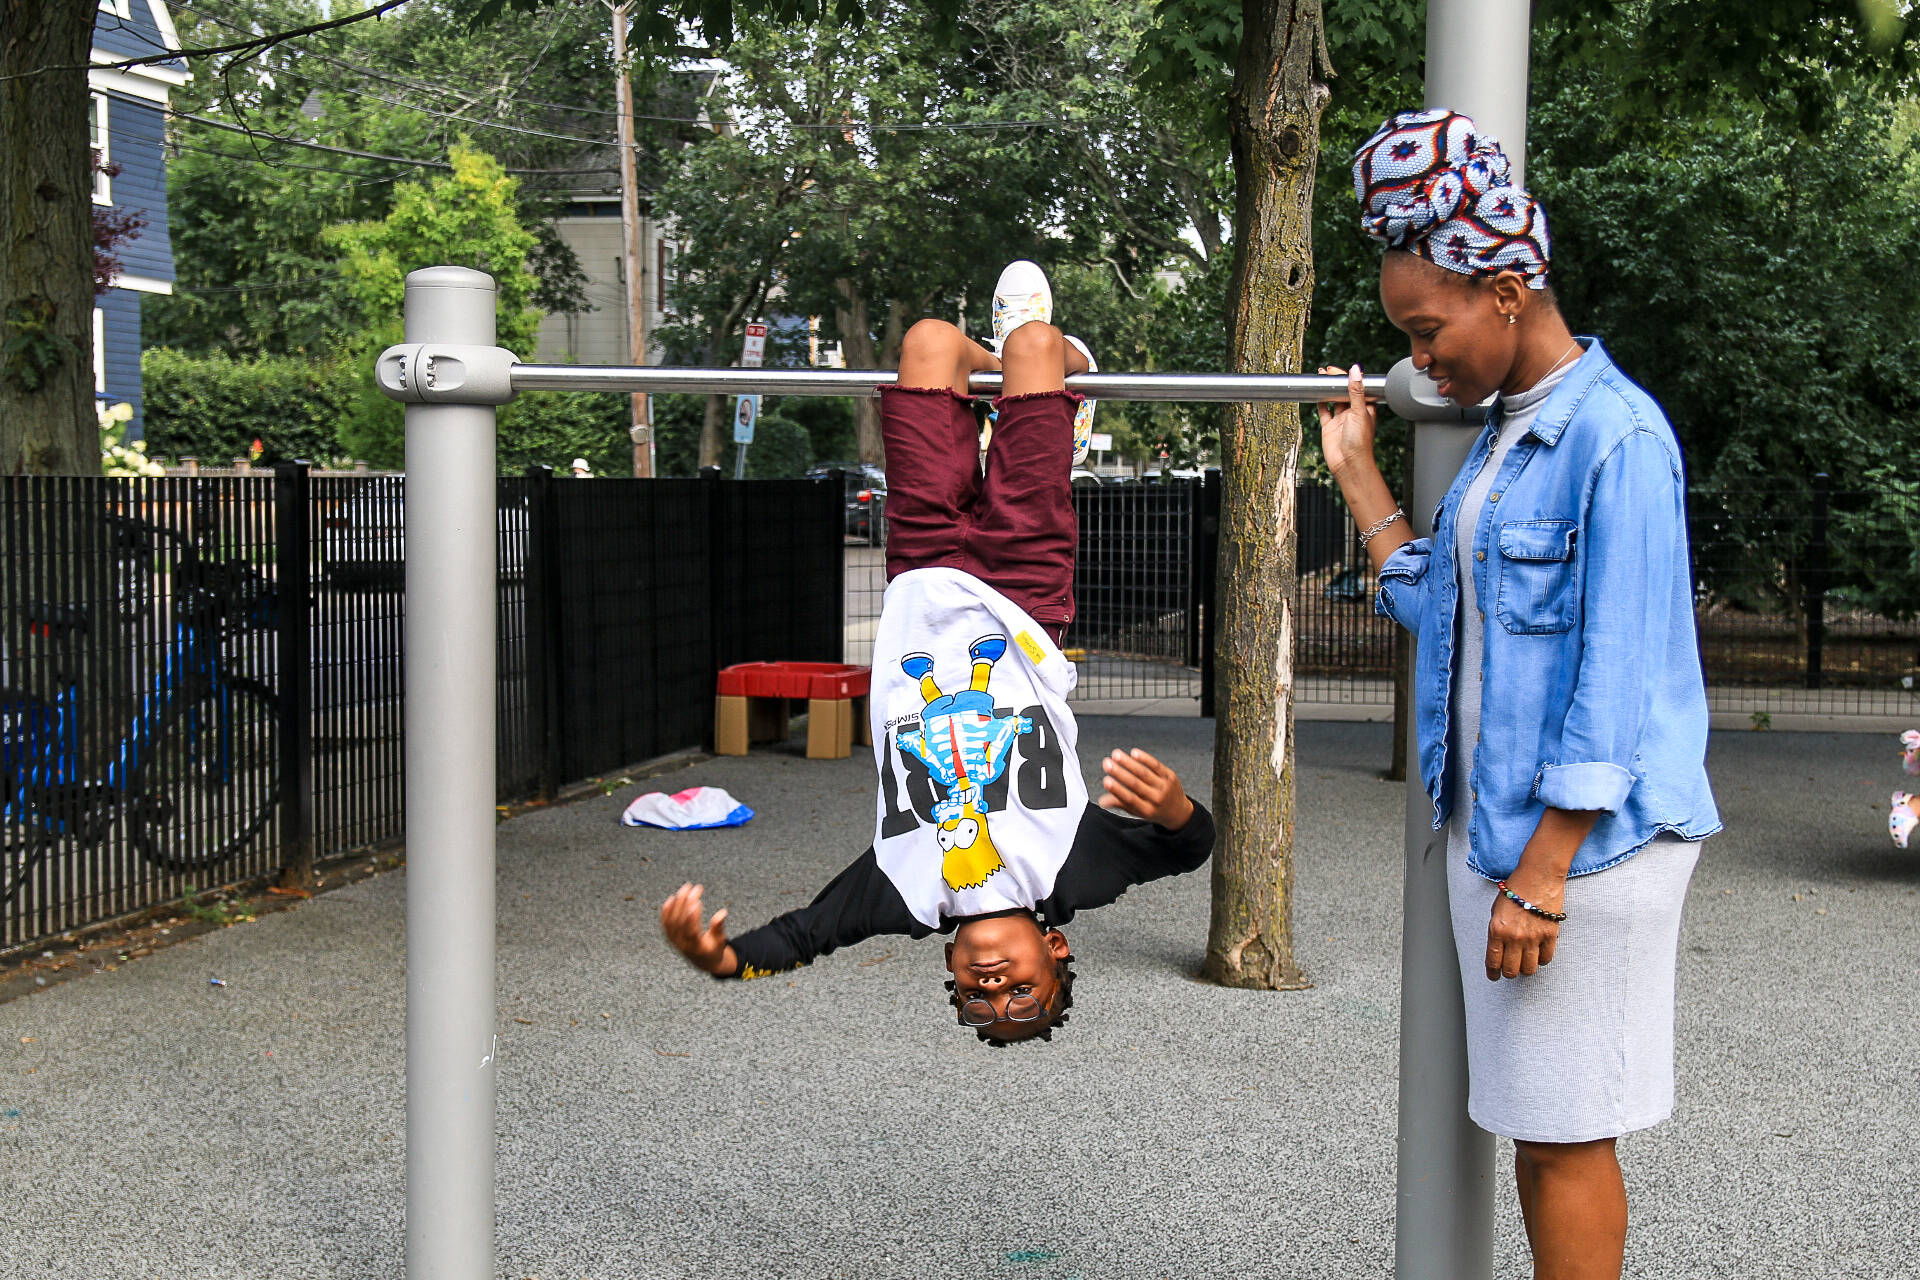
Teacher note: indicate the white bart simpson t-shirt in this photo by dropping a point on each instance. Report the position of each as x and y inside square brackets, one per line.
[980, 791]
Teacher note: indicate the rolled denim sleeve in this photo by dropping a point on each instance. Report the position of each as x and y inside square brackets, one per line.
[1632, 545]
[1403, 593]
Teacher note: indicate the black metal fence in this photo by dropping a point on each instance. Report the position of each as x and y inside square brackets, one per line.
[1806, 599]
[1802, 599]
[139, 718]
[153, 737]
[150, 740]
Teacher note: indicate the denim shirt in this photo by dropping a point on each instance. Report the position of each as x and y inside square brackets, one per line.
[1592, 691]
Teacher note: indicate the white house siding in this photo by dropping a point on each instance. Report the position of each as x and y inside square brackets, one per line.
[599, 336]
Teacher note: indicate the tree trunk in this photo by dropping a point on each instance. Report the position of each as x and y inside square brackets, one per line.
[856, 340]
[47, 423]
[714, 414]
[1274, 114]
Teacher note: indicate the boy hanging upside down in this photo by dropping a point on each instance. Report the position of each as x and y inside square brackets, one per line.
[983, 827]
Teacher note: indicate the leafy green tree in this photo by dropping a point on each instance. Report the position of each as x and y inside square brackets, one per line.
[468, 218]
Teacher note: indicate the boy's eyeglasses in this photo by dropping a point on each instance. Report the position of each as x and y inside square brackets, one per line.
[976, 1011]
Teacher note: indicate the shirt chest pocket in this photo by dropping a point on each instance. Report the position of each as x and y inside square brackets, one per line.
[1536, 595]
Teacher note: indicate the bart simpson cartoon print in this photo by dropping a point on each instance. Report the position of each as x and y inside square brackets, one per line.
[965, 746]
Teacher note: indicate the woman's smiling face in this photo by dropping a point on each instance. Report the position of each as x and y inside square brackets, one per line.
[1458, 330]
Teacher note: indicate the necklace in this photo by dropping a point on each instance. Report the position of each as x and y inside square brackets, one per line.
[1573, 349]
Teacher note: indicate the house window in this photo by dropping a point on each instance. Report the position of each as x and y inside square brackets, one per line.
[664, 262]
[102, 184]
[99, 351]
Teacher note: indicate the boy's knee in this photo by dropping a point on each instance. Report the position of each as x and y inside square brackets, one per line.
[1034, 340]
[930, 334]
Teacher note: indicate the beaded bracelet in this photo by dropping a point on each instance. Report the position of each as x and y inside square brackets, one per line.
[1380, 526]
[1524, 905]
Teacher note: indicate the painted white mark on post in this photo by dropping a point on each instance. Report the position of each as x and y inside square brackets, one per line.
[490, 1052]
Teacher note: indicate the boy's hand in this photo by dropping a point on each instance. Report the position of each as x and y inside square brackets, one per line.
[1145, 788]
[704, 945]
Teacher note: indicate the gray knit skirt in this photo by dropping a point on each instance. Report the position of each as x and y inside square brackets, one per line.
[1583, 1049]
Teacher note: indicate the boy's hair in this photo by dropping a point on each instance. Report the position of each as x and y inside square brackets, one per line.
[1063, 974]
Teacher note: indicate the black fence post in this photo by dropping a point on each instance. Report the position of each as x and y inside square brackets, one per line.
[543, 625]
[1196, 571]
[293, 589]
[722, 578]
[1817, 581]
[834, 505]
[1208, 549]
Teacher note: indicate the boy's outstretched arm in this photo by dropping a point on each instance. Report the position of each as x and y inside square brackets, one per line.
[857, 904]
[704, 945]
[1113, 850]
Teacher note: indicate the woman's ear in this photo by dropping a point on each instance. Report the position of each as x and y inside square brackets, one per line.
[1511, 297]
[1057, 945]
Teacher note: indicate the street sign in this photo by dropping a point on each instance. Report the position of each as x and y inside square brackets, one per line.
[754, 350]
[1099, 441]
[746, 410]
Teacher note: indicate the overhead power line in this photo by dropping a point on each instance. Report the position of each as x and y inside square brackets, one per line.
[253, 45]
[362, 155]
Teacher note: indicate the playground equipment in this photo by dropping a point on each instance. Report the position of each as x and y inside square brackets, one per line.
[451, 376]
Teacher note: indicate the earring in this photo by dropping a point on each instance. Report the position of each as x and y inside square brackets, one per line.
[1512, 319]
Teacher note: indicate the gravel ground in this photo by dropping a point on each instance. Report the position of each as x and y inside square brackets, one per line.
[654, 1123]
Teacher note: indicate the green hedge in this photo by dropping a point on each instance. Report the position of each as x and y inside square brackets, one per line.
[215, 407]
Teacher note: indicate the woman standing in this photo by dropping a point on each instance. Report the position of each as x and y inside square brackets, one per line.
[1558, 700]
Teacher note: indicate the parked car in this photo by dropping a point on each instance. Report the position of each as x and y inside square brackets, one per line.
[866, 498]
[363, 538]
[1083, 478]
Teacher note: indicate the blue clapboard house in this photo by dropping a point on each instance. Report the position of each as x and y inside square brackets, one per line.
[128, 126]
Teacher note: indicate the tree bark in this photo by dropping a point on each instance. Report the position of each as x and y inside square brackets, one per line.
[855, 322]
[1274, 115]
[712, 415]
[47, 423]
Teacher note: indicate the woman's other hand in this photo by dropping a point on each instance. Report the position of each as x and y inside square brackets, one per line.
[1347, 427]
[703, 944]
[1518, 941]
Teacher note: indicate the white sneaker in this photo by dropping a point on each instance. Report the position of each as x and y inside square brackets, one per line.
[1021, 294]
[1083, 416]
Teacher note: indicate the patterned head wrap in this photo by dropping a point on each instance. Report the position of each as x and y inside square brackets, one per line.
[1430, 183]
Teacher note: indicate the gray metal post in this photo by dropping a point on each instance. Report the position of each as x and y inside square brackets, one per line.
[450, 791]
[1443, 1226]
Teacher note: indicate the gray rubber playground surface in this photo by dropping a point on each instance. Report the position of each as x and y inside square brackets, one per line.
[655, 1123]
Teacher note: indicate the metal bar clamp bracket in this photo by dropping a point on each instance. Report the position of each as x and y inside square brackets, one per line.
[440, 373]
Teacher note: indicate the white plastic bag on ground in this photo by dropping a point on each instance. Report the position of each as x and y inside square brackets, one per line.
[695, 809]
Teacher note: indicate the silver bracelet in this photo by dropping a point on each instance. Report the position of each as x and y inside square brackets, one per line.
[1379, 526]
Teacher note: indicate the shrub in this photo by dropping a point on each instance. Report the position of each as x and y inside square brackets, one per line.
[214, 407]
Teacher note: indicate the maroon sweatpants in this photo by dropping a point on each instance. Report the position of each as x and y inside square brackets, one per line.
[1012, 527]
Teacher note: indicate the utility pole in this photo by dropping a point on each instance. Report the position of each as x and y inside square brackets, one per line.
[639, 432]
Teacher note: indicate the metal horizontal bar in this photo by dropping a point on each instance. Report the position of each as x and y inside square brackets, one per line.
[1231, 387]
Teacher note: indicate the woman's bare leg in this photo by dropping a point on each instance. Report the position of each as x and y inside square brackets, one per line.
[936, 354]
[1574, 1203]
[1036, 358]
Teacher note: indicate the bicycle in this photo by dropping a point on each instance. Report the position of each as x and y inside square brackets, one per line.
[195, 774]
